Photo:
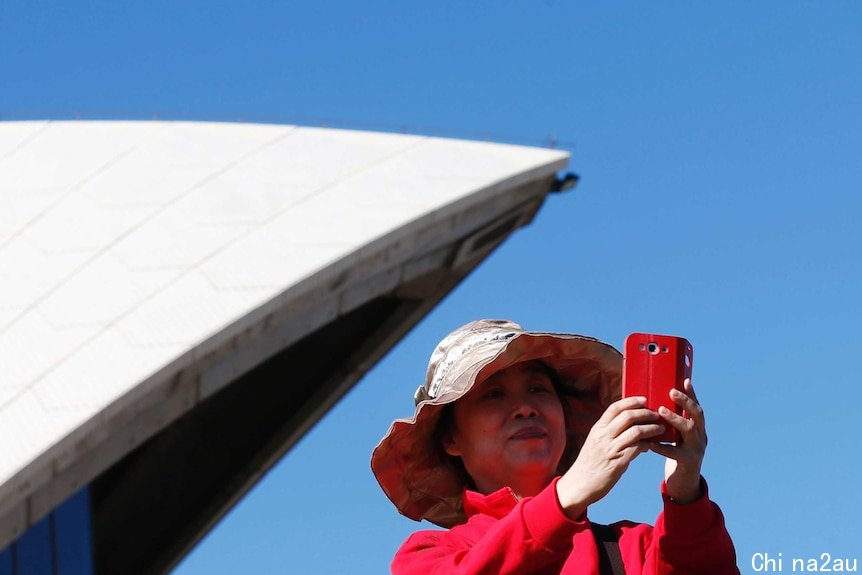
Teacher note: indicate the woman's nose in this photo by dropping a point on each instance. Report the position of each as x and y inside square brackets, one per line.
[524, 409]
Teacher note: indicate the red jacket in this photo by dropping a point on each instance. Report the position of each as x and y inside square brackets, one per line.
[505, 536]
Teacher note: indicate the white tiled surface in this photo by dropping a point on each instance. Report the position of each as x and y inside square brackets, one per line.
[28, 272]
[82, 224]
[15, 134]
[127, 245]
[57, 159]
[30, 348]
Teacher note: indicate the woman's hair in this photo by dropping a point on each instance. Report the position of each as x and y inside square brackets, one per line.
[442, 433]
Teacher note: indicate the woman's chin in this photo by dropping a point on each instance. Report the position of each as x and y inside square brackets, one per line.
[540, 464]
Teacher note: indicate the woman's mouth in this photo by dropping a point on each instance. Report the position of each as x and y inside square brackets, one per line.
[532, 432]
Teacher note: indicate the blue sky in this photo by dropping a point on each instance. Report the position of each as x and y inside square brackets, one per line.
[719, 149]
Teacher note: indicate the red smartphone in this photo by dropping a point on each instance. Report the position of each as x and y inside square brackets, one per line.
[653, 365]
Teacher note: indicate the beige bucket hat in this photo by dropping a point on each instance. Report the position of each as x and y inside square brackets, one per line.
[409, 463]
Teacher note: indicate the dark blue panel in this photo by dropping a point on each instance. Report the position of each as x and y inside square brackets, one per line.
[34, 550]
[6, 561]
[72, 535]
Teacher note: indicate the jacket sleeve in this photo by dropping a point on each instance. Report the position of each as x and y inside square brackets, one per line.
[534, 534]
[690, 538]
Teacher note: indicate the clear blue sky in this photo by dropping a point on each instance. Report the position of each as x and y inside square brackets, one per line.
[719, 147]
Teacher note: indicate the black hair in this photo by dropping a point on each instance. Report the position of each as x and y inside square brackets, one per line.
[442, 434]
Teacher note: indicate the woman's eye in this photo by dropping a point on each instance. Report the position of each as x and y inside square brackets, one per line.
[494, 393]
[539, 389]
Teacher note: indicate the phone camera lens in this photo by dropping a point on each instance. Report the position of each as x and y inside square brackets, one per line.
[652, 347]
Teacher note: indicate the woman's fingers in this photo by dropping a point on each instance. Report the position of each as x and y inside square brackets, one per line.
[688, 402]
[619, 406]
[690, 450]
[688, 387]
[638, 433]
[678, 422]
[630, 417]
[629, 454]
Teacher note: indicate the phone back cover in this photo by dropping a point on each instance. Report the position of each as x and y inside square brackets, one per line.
[654, 374]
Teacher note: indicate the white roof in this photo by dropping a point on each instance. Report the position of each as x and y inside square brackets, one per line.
[134, 252]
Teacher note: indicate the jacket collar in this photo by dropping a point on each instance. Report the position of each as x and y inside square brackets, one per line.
[497, 504]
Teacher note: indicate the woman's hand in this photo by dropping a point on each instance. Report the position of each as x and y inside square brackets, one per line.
[621, 433]
[684, 460]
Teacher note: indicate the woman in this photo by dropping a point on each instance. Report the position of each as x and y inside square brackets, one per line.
[515, 434]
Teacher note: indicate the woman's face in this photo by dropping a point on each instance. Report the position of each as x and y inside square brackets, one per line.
[509, 429]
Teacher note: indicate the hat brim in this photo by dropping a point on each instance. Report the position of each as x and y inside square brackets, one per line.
[411, 468]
